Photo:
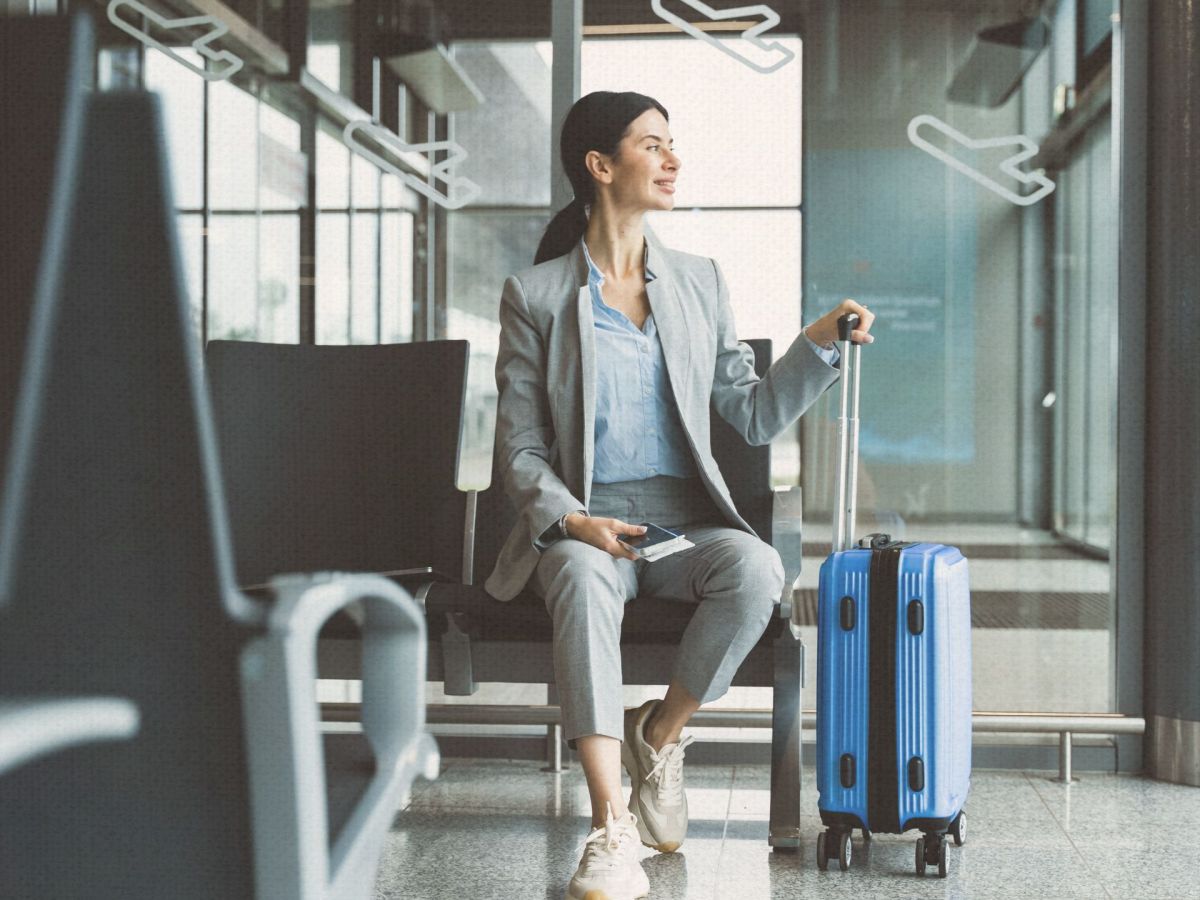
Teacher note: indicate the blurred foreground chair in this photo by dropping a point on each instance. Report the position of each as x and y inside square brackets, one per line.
[40, 128]
[119, 582]
[347, 456]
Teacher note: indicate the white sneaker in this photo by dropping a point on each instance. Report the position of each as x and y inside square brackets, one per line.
[609, 869]
[658, 800]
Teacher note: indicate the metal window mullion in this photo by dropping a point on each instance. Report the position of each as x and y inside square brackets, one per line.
[206, 210]
[257, 95]
[308, 232]
[440, 129]
[566, 35]
[422, 293]
[379, 257]
[1088, 148]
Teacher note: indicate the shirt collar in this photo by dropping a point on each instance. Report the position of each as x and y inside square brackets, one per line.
[595, 276]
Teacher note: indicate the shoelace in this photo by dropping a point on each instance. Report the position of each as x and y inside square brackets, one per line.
[603, 848]
[667, 773]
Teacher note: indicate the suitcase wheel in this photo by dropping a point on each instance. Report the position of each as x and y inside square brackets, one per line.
[931, 851]
[834, 845]
[958, 828]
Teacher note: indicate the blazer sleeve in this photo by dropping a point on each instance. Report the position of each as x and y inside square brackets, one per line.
[524, 430]
[760, 409]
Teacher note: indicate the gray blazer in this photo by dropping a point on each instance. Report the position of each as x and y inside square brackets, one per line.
[546, 375]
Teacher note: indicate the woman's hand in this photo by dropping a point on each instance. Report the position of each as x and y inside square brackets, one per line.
[825, 330]
[603, 533]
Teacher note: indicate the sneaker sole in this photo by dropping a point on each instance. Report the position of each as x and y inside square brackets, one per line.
[597, 894]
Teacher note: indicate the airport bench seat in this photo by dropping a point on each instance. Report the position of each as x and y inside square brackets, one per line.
[345, 458]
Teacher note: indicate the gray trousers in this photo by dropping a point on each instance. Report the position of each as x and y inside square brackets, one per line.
[734, 578]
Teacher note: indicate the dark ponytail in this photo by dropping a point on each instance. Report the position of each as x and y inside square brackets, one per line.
[597, 121]
[564, 230]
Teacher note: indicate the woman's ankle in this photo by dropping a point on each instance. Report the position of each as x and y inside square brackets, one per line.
[655, 734]
[618, 808]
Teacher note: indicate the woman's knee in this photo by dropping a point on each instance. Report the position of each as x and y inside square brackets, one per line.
[574, 573]
[757, 569]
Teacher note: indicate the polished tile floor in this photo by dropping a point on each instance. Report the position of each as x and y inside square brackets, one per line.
[503, 830]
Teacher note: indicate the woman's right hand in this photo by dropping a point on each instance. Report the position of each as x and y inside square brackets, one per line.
[603, 533]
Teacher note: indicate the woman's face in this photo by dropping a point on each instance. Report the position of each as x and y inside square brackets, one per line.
[645, 169]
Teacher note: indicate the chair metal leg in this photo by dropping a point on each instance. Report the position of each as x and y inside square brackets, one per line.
[785, 741]
[555, 760]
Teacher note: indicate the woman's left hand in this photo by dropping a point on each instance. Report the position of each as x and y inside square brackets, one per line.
[825, 329]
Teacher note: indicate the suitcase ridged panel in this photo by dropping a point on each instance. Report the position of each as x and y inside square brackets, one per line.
[842, 679]
[933, 700]
[913, 684]
[954, 571]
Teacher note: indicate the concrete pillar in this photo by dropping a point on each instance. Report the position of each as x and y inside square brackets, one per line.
[1172, 427]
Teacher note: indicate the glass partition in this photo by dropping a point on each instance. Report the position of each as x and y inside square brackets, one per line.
[957, 179]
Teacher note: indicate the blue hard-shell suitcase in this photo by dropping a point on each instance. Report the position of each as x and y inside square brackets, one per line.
[893, 678]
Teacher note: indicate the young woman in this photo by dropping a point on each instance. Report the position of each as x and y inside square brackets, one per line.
[612, 349]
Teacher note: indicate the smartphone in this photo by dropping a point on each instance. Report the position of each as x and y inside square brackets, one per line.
[655, 536]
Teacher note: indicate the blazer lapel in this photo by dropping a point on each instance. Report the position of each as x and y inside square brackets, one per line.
[672, 326]
[585, 391]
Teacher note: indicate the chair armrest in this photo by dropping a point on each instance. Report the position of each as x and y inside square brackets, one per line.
[293, 855]
[787, 518]
[30, 729]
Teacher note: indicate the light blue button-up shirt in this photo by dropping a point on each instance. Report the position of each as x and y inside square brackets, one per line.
[638, 431]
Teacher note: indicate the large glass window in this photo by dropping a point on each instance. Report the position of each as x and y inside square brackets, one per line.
[182, 93]
[364, 252]
[507, 139]
[396, 262]
[239, 219]
[255, 193]
[1086, 293]
[333, 240]
[365, 239]
[330, 41]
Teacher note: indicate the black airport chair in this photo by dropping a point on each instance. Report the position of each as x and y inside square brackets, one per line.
[362, 443]
[342, 457]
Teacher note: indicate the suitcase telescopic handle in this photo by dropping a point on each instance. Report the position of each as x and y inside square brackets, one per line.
[847, 472]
